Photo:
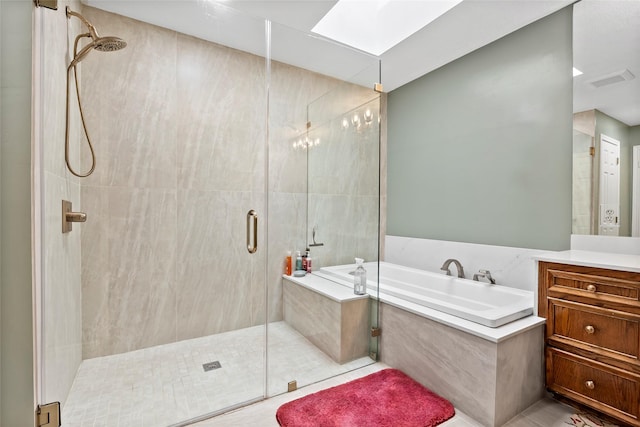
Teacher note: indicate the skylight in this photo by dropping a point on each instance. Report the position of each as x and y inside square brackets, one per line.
[375, 26]
[576, 72]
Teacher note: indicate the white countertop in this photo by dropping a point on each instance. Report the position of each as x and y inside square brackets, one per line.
[608, 260]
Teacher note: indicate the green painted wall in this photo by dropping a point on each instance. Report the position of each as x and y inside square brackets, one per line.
[16, 361]
[634, 135]
[617, 130]
[479, 150]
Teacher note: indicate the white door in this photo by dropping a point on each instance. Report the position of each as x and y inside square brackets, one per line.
[609, 223]
[635, 193]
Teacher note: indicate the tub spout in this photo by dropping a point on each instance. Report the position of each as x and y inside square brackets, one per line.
[447, 263]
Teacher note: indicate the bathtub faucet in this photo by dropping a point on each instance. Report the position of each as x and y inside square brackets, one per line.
[447, 263]
[486, 274]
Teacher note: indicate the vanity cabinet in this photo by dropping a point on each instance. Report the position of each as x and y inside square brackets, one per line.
[592, 337]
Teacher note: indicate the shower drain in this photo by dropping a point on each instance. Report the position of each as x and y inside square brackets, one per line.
[211, 366]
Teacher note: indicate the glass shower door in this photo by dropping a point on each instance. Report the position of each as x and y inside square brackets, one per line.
[324, 197]
[153, 310]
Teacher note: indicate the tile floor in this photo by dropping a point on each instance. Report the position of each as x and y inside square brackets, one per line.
[545, 413]
[165, 385]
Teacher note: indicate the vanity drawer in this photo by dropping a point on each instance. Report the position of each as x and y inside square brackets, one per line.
[609, 330]
[606, 288]
[610, 390]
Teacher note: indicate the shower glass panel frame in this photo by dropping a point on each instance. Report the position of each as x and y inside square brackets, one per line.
[183, 155]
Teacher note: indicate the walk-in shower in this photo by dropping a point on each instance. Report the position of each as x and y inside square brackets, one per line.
[101, 44]
[194, 131]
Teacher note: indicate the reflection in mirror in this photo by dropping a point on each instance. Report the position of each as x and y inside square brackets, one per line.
[606, 121]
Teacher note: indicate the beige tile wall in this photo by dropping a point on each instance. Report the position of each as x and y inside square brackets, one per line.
[344, 183]
[179, 128]
[62, 312]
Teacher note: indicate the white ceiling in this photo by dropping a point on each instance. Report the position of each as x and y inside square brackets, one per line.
[607, 38]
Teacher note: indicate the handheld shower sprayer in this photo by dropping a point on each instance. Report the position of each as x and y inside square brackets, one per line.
[103, 44]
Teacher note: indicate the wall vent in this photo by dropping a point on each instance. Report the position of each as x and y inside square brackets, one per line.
[611, 78]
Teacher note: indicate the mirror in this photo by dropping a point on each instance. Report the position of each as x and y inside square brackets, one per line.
[606, 121]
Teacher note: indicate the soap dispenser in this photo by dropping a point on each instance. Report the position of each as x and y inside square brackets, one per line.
[360, 278]
[298, 261]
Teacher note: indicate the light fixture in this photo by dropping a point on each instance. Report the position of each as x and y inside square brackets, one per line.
[375, 26]
[576, 72]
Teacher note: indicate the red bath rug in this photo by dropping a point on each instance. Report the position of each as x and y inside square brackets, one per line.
[386, 398]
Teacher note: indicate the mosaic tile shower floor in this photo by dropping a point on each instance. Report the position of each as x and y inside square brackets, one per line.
[164, 385]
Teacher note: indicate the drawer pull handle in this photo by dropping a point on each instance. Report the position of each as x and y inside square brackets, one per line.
[589, 329]
[590, 385]
[591, 288]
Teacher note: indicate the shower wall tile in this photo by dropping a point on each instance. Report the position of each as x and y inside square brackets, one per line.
[57, 53]
[221, 129]
[61, 288]
[214, 266]
[128, 283]
[61, 285]
[287, 219]
[95, 272]
[347, 225]
[141, 314]
[142, 236]
[290, 91]
[346, 160]
[179, 130]
[142, 233]
[131, 106]
[344, 186]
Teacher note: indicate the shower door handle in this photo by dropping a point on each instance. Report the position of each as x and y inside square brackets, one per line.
[252, 247]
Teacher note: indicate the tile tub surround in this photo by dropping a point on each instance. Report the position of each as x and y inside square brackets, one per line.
[333, 319]
[513, 267]
[491, 381]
